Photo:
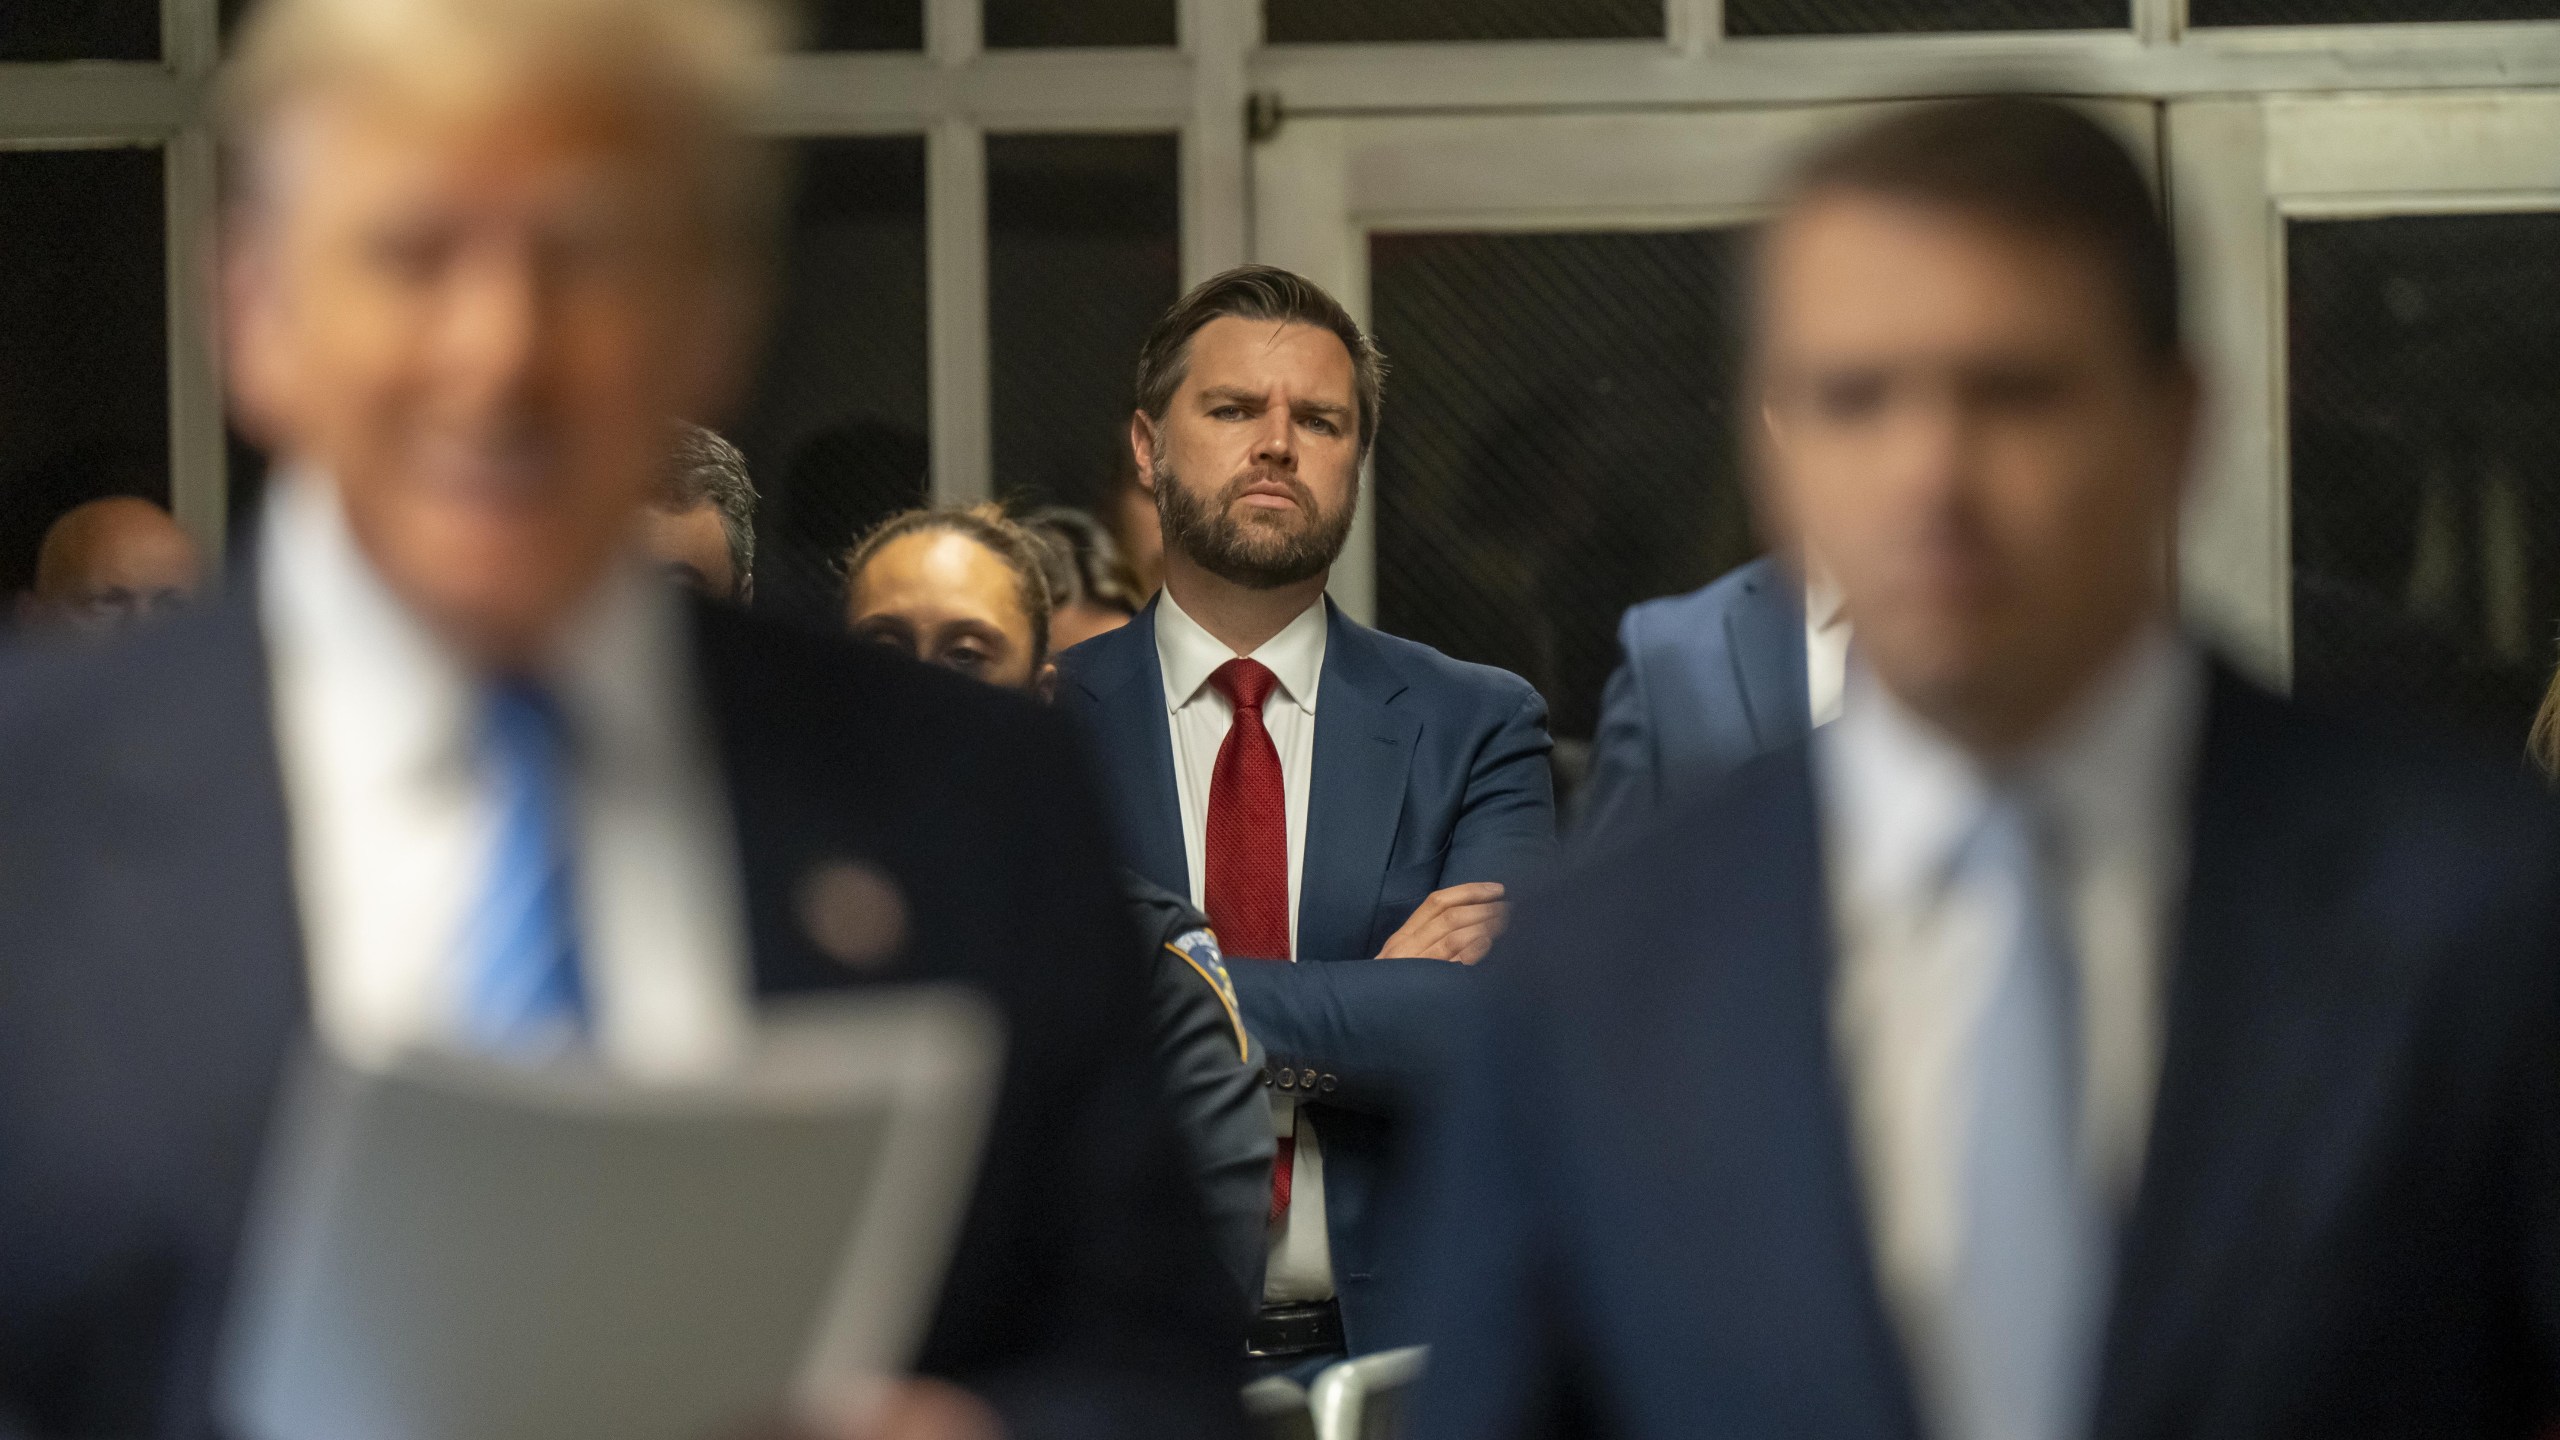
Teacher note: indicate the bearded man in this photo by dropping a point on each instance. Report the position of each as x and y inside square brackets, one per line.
[1326, 793]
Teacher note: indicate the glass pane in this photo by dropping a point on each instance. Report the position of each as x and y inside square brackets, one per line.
[1084, 251]
[862, 24]
[1318, 21]
[1027, 23]
[2426, 506]
[2363, 12]
[1558, 443]
[79, 29]
[84, 343]
[1893, 17]
[835, 430]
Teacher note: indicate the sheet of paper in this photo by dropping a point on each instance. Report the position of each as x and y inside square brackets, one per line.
[446, 1250]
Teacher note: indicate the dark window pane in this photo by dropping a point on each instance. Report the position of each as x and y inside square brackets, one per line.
[84, 346]
[1900, 17]
[1028, 23]
[2363, 12]
[1084, 251]
[233, 12]
[862, 24]
[835, 431]
[1320, 21]
[2426, 460]
[79, 29]
[1558, 443]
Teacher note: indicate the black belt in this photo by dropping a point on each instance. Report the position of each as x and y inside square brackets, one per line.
[1280, 1331]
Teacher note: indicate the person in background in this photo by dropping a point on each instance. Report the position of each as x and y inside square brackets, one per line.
[1326, 793]
[1088, 582]
[701, 527]
[1749, 664]
[108, 565]
[966, 590]
[2069, 1040]
[1130, 515]
[452, 770]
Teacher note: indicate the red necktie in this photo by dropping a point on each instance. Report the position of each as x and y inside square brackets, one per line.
[1248, 850]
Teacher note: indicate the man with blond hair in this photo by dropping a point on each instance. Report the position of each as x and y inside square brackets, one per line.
[453, 770]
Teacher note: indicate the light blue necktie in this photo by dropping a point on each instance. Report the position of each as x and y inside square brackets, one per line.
[525, 997]
[2033, 1262]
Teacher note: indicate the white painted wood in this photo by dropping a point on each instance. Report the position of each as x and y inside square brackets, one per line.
[956, 312]
[2235, 547]
[1217, 36]
[109, 101]
[199, 475]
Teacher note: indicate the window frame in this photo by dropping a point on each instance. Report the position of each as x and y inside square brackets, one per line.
[1217, 84]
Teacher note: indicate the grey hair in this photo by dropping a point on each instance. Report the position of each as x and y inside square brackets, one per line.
[707, 470]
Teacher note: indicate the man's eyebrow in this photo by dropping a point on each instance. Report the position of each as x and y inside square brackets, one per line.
[1230, 395]
[1322, 407]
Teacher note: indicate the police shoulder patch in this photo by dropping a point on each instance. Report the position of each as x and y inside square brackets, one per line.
[1199, 950]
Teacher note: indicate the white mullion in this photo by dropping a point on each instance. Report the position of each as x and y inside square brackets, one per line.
[2160, 22]
[199, 472]
[1694, 26]
[1218, 36]
[956, 312]
[954, 32]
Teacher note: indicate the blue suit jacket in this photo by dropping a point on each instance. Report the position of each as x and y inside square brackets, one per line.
[1429, 772]
[1652, 1218]
[1705, 681]
[151, 985]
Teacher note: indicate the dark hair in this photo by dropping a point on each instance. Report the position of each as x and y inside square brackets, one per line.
[1019, 549]
[1084, 561]
[2033, 163]
[707, 470]
[1257, 292]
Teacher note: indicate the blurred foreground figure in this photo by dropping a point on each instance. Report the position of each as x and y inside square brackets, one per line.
[106, 565]
[701, 525]
[1326, 793]
[453, 771]
[965, 589]
[2070, 1039]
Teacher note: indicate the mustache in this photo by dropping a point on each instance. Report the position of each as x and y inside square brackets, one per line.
[1267, 475]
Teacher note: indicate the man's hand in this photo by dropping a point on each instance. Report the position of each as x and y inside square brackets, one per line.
[1458, 923]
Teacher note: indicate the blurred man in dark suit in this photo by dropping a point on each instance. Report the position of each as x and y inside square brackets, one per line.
[454, 769]
[2068, 1040]
[1326, 793]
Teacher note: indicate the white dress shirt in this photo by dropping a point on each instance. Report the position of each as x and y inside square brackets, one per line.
[1918, 946]
[1301, 1263]
[1826, 651]
[393, 813]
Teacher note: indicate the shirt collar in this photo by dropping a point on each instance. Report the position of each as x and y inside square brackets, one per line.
[1825, 608]
[333, 624]
[2114, 773]
[1189, 654]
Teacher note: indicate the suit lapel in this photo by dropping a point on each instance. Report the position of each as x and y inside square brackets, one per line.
[1355, 797]
[1123, 683]
[2271, 1076]
[1764, 635]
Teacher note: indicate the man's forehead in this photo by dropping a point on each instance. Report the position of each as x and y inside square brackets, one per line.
[1232, 350]
[1853, 266]
[571, 151]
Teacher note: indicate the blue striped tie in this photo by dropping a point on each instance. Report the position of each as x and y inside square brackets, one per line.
[526, 998]
[2033, 1263]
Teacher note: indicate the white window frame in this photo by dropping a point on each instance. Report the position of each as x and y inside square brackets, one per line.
[957, 91]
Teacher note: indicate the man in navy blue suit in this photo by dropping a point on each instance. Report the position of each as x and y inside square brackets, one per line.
[2070, 1039]
[1328, 794]
[1706, 681]
[454, 770]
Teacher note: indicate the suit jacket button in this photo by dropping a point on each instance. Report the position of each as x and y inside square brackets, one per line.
[1288, 1079]
[1306, 1079]
[1326, 1085]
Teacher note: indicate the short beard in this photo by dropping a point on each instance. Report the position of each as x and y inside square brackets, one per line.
[1255, 556]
